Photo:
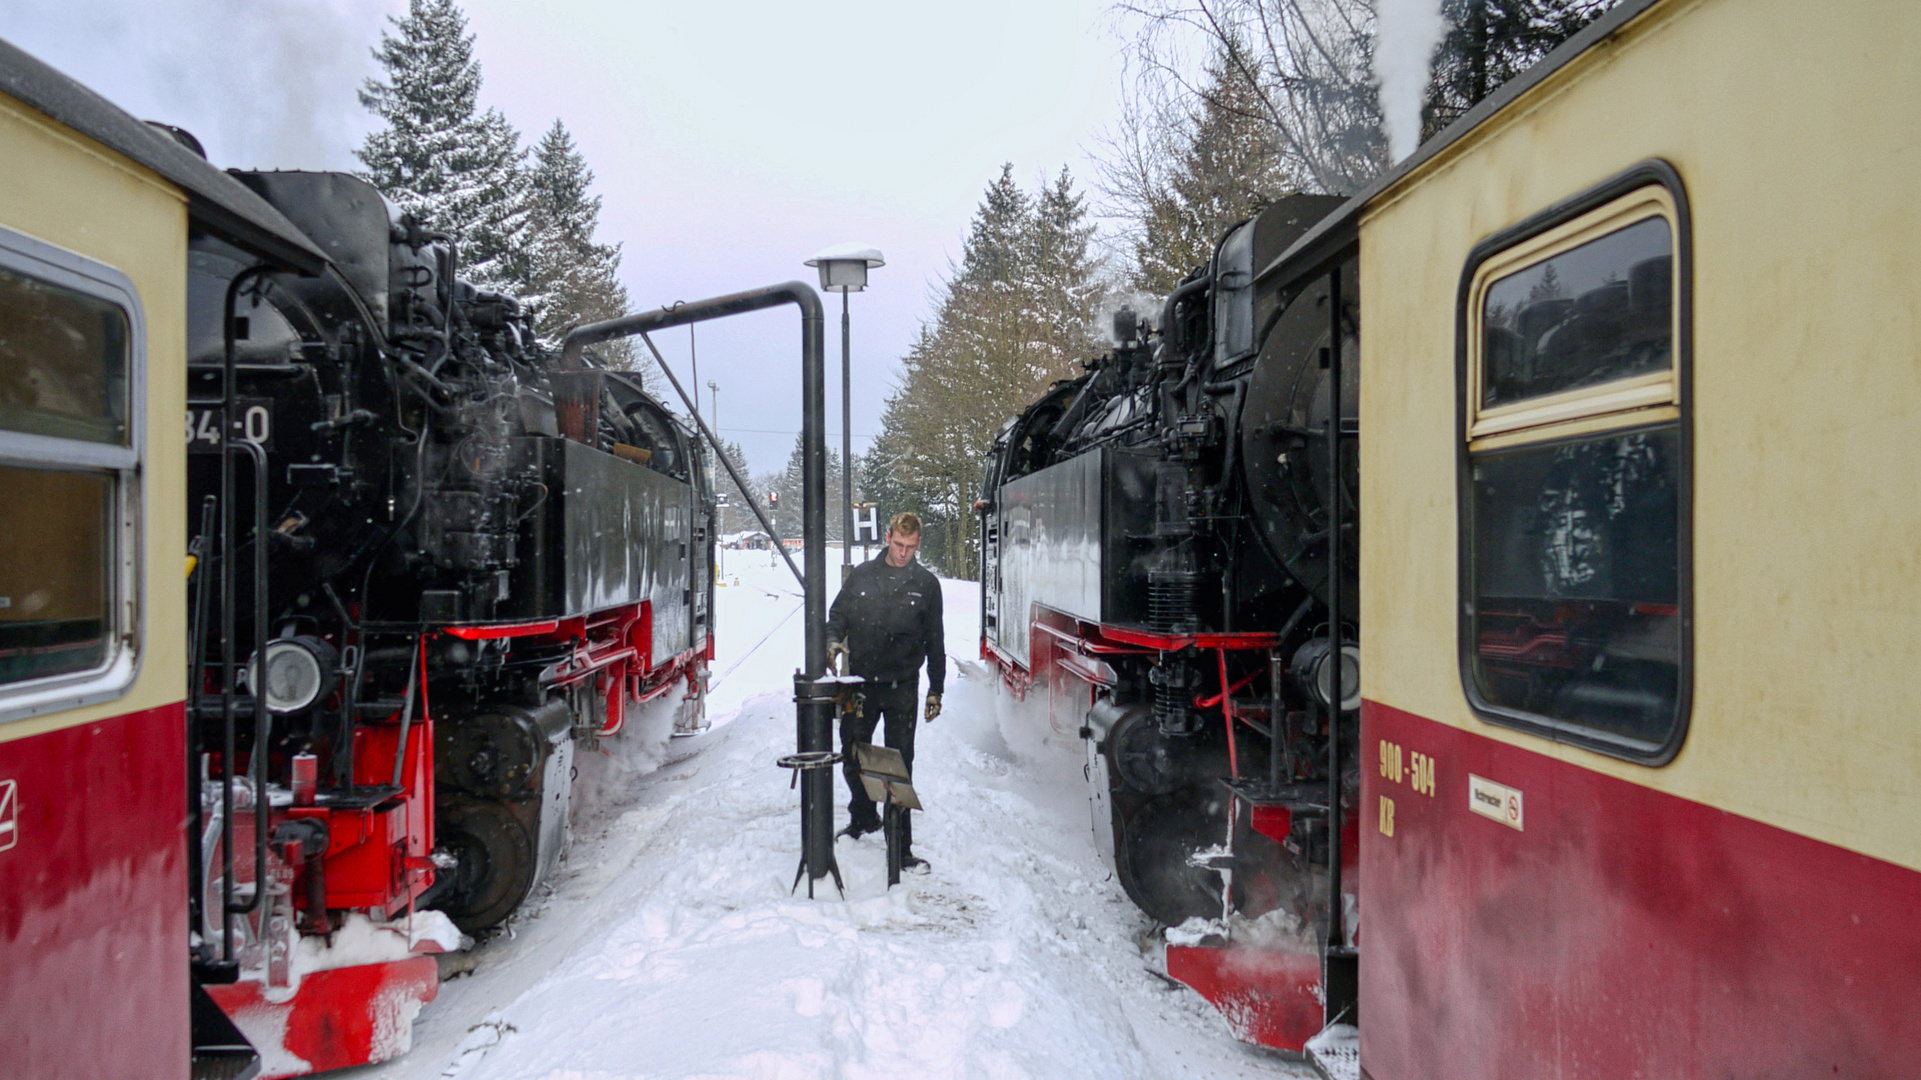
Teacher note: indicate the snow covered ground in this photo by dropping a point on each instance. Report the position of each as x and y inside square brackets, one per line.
[669, 946]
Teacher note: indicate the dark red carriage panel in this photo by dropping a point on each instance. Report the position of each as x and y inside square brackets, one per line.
[93, 900]
[1532, 918]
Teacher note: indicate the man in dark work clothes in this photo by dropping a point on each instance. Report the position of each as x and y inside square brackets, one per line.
[886, 620]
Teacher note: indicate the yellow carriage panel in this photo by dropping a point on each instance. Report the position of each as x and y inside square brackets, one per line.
[63, 189]
[1791, 127]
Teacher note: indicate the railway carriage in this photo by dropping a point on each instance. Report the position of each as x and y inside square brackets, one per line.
[1642, 414]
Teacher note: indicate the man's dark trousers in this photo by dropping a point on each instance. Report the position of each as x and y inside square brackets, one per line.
[897, 704]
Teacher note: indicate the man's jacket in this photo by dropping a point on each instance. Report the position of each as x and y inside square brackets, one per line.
[890, 618]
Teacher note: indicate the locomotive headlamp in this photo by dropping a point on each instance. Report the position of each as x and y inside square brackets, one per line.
[299, 671]
[1311, 669]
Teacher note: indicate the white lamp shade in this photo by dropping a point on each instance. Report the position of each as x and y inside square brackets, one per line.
[843, 268]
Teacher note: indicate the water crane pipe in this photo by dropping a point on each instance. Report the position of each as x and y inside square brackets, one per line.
[814, 717]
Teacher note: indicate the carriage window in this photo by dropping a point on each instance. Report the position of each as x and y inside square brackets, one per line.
[56, 575]
[1598, 312]
[1574, 602]
[63, 362]
[70, 452]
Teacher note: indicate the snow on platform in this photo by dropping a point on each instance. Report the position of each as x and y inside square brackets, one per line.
[669, 946]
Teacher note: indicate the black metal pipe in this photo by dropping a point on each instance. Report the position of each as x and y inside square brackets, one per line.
[1277, 705]
[846, 441]
[257, 685]
[713, 440]
[229, 328]
[414, 663]
[1336, 911]
[814, 718]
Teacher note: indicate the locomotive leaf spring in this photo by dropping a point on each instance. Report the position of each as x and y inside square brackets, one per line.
[1173, 699]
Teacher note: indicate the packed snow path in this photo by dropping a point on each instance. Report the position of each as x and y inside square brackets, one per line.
[669, 946]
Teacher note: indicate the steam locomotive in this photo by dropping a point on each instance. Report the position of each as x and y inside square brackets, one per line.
[433, 564]
[1156, 553]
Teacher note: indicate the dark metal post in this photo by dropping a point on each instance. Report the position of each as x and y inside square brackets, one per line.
[814, 719]
[892, 819]
[846, 443]
[1337, 971]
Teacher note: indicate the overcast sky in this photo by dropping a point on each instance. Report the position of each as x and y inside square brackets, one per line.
[730, 141]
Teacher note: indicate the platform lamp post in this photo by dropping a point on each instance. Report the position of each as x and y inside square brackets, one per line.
[720, 498]
[843, 269]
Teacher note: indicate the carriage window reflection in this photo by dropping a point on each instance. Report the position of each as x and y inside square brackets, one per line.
[1576, 582]
[55, 572]
[1593, 314]
[63, 362]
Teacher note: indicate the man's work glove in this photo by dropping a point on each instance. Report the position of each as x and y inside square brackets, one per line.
[933, 706]
[837, 657]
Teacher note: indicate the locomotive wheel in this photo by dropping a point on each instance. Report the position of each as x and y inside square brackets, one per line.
[1164, 809]
[1152, 839]
[495, 867]
[1140, 756]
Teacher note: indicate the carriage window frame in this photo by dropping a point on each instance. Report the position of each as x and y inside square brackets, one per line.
[124, 464]
[1646, 401]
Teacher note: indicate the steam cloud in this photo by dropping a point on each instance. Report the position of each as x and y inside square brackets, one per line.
[1407, 33]
[262, 83]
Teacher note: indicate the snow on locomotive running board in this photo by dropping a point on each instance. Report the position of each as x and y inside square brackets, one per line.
[669, 947]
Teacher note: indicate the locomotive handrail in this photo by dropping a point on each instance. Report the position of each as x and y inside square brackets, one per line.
[257, 762]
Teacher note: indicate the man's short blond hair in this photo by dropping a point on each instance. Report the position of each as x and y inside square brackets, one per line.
[906, 523]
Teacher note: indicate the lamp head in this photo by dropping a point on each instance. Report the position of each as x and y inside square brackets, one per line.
[843, 268]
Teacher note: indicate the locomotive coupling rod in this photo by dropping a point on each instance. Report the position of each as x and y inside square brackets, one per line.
[814, 721]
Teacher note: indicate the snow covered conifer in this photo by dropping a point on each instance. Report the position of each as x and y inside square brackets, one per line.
[1017, 313]
[574, 279]
[1068, 285]
[1225, 162]
[1489, 42]
[440, 157]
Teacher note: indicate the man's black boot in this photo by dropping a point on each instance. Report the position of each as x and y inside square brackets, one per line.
[857, 829]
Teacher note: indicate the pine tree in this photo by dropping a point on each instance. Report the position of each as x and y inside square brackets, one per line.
[1019, 310]
[1293, 78]
[1228, 163]
[1069, 288]
[573, 278]
[1489, 42]
[734, 515]
[792, 490]
[456, 168]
